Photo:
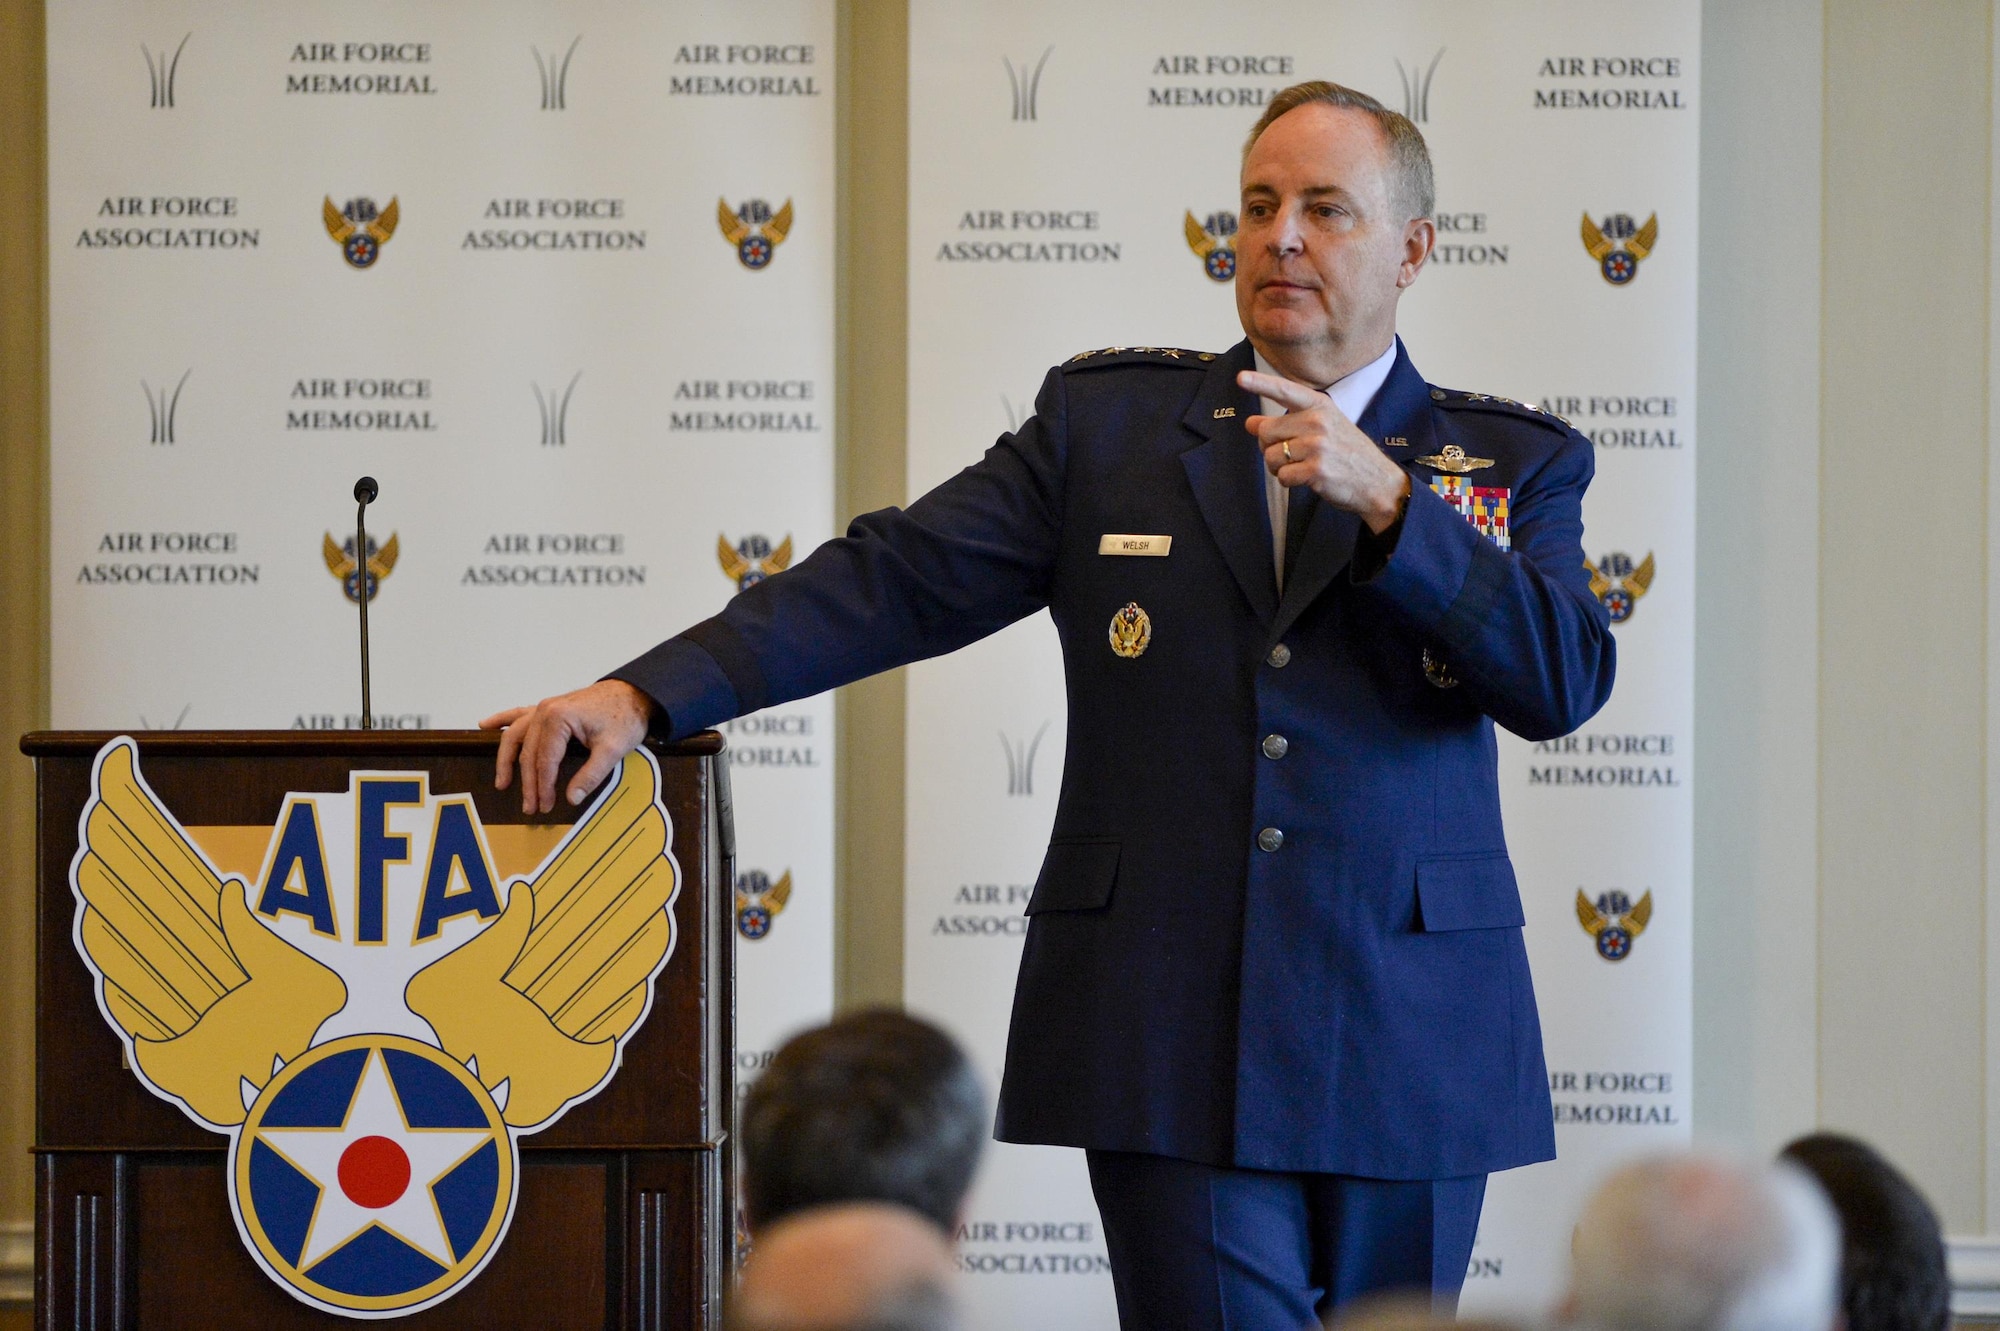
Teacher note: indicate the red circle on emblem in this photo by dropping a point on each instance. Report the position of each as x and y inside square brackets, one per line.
[374, 1172]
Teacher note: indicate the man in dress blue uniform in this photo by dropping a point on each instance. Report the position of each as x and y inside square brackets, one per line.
[1273, 982]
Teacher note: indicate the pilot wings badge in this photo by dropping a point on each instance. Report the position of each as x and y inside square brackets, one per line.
[1214, 243]
[340, 562]
[759, 901]
[1613, 921]
[373, 1055]
[1619, 585]
[754, 230]
[1452, 459]
[359, 229]
[751, 560]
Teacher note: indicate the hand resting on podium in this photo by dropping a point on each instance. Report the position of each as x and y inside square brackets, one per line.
[610, 718]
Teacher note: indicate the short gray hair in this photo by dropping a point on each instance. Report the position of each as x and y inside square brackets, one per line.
[1409, 155]
[1703, 1243]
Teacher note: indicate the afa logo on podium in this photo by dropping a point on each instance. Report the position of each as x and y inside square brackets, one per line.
[378, 1018]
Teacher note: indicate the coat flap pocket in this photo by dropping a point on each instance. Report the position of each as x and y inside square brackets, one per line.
[1468, 894]
[1076, 875]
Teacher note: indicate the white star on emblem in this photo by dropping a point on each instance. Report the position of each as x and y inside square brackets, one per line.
[410, 1214]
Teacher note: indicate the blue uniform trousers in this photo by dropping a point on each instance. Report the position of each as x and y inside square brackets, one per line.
[1201, 1248]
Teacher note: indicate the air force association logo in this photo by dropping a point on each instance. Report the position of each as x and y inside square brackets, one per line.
[754, 230]
[759, 901]
[1214, 243]
[1619, 584]
[1614, 921]
[751, 560]
[1620, 244]
[360, 229]
[340, 562]
[377, 1019]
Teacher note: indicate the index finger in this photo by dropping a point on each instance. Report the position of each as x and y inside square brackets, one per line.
[1293, 395]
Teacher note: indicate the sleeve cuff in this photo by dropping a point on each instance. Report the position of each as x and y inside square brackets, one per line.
[1372, 552]
[1439, 573]
[687, 686]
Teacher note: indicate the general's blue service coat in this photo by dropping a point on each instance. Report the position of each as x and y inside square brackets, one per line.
[1354, 998]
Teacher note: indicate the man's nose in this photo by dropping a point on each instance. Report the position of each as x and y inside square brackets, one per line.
[1288, 236]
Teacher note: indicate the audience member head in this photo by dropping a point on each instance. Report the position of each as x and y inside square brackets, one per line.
[1697, 1243]
[1406, 1312]
[865, 1266]
[1892, 1267]
[875, 1106]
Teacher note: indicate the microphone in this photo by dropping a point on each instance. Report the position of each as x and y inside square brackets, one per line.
[365, 491]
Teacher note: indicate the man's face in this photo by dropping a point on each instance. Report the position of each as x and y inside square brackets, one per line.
[1324, 248]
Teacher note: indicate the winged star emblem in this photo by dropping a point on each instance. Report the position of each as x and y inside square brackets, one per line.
[359, 229]
[1614, 921]
[751, 560]
[1214, 243]
[754, 230]
[340, 562]
[1618, 584]
[1618, 245]
[373, 1056]
[759, 901]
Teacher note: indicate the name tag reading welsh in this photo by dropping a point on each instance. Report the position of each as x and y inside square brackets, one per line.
[1110, 544]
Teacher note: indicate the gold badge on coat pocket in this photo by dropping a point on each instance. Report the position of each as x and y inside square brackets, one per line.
[1131, 631]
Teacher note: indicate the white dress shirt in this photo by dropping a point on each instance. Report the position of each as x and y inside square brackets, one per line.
[1352, 395]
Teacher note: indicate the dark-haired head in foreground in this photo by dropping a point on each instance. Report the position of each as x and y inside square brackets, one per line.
[1892, 1267]
[875, 1106]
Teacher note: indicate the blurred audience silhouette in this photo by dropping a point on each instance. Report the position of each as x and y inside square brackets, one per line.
[1694, 1242]
[1892, 1258]
[873, 1106]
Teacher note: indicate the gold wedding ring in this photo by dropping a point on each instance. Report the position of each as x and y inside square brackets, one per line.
[1287, 446]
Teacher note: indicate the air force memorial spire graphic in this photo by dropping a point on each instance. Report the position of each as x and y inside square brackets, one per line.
[377, 1019]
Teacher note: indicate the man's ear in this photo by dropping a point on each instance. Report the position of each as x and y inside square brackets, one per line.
[1419, 239]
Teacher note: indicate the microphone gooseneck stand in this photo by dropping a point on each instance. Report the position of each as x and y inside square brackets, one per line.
[365, 490]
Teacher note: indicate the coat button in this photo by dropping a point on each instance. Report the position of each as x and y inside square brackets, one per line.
[1275, 746]
[1280, 657]
[1437, 395]
[1270, 839]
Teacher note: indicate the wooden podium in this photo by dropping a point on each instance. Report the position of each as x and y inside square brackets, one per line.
[624, 1215]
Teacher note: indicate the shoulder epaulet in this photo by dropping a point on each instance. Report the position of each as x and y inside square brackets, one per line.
[1506, 406]
[1085, 360]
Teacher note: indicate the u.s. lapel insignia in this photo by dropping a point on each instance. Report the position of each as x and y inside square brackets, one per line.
[1131, 631]
[1454, 460]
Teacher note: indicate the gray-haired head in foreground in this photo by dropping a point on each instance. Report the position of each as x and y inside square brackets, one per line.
[1409, 155]
[1703, 1243]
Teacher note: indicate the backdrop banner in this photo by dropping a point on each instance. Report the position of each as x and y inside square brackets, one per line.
[560, 276]
[1073, 185]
